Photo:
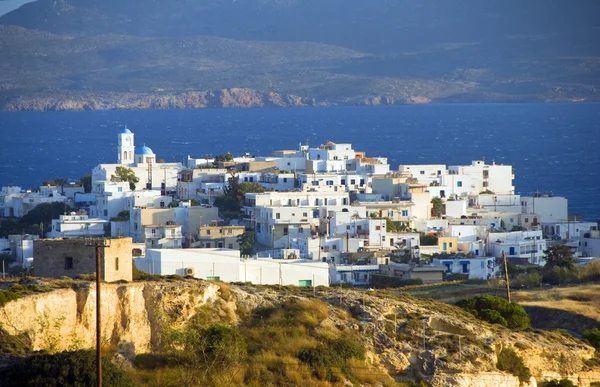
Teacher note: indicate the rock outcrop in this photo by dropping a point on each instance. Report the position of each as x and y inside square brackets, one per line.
[224, 98]
[405, 336]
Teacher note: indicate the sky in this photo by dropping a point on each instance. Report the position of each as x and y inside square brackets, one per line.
[8, 5]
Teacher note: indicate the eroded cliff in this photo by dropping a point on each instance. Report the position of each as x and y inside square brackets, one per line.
[404, 336]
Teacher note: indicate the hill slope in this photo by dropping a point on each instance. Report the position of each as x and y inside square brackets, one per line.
[404, 337]
[333, 51]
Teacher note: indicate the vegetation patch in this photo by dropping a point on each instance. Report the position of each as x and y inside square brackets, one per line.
[496, 310]
[76, 368]
[509, 361]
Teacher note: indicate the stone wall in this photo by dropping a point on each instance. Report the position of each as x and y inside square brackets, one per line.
[72, 257]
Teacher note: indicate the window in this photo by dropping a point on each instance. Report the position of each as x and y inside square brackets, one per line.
[352, 181]
[285, 179]
[119, 189]
[207, 232]
[404, 212]
[343, 182]
[116, 263]
[334, 247]
[285, 231]
[153, 231]
[362, 182]
[220, 245]
[207, 244]
[301, 230]
[459, 183]
[305, 214]
[68, 263]
[105, 212]
[347, 227]
[450, 244]
[230, 246]
[526, 220]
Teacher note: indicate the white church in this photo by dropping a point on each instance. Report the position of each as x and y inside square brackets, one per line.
[155, 178]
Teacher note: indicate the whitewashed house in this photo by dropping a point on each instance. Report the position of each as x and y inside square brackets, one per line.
[227, 265]
[76, 226]
[473, 267]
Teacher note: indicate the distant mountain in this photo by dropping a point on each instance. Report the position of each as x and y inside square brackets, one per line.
[329, 51]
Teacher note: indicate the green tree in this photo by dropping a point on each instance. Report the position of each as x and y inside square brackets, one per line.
[496, 310]
[42, 214]
[125, 174]
[86, 182]
[593, 337]
[247, 242]
[437, 207]
[559, 255]
[76, 369]
[230, 203]
[429, 240]
[222, 159]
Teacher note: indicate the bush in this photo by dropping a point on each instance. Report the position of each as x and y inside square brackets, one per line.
[7, 296]
[66, 369]
[558, 383]
[334, 354]
[509, 361]
[496, 310]
[593, 337]
[557, 275]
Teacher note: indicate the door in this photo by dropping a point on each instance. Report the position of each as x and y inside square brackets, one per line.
[511, 251]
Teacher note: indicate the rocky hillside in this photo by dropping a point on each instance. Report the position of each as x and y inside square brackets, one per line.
[139, 54]
[405, 338]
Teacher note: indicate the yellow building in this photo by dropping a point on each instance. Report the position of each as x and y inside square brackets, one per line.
[448, 245]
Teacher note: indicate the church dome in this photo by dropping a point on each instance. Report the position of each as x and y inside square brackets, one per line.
[125, 131]
[144, 150]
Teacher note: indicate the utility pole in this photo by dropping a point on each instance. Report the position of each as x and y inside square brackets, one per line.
[98, 326]
[273, 240]
[99, 245]
[506, 276]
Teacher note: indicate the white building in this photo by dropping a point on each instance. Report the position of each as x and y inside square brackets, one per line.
[521, 247]
[567, 230]
[474, 268]
[76, 226]
[549, 208]
[357, 275]
[589, 243]
[142, 161]
[163, 236]
[14, 202]
[227, 265]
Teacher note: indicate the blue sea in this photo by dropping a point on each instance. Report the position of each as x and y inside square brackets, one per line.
[552, 147]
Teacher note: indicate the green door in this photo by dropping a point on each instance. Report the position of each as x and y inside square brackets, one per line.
[305, 283]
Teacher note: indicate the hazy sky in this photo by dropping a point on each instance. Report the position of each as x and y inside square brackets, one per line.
[8, 5]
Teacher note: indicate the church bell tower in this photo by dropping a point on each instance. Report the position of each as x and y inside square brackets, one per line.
[126, 148]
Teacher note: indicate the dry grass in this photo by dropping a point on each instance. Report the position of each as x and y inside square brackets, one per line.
[582, 299]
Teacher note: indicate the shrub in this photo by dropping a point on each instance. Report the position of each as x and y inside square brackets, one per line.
[509, 361]
[593, 337]
[483, 307]
[7, 296]
[66, 369]
[558, 383]
[332, 355]
[16, 345]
